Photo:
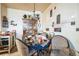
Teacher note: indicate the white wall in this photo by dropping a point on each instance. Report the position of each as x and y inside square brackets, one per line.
[0, 16]
[68, 12]
[46, 20]
[17, 15]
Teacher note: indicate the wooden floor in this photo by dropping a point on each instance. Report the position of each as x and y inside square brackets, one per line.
[11, 54]
[17, 54]
[14, 52]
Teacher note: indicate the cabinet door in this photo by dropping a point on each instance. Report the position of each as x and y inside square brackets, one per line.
[0, 42]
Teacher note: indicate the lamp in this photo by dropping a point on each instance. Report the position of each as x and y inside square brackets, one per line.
[35, 17]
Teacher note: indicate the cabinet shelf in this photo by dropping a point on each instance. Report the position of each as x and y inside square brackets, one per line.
[3, 51]
[3, 40]
[4, 44]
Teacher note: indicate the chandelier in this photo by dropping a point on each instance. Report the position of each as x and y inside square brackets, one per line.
[35, 16]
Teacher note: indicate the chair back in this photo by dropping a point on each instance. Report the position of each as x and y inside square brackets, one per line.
[59, 42]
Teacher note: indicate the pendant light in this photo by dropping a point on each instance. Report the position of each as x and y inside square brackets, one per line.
[34, 10]
[34, 15]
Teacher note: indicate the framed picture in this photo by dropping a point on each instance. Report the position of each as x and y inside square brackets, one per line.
[54, 7]
[51, 13]
[77, 29]
[73, 23]
[57, 29]
[58, 19]
[52, 24]
[12, 23]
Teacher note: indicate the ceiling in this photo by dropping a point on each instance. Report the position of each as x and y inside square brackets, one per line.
[28, 6]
